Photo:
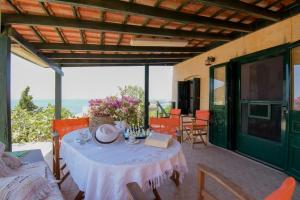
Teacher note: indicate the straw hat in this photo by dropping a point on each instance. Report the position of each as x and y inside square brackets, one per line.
[105, 134]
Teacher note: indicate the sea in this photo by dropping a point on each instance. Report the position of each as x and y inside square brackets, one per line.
[76, 106]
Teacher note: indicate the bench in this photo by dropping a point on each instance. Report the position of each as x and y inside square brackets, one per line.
[35, 157]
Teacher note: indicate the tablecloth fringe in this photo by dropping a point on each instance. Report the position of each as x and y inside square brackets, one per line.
[157, 181]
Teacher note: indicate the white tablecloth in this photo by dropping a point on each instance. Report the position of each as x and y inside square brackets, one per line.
[102, 172]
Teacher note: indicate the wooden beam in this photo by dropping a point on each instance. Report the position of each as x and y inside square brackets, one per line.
[156, 4]
[5, 106]
[33, 20]
[115, 48]
[152, 12]
[253, 10]
[291, 10]
[52, 56]
[30, 48]
[102, 34]
[139, 61]
[117, 65]
[58, 31]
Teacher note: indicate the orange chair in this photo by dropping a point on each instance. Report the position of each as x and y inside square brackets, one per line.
[165, 125]
[170, 126]
[285, 191]
[198, 127]
[61, 128]
[155, 124]
[175, 113]
[64, 126]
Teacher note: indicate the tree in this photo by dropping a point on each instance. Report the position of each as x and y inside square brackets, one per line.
[35, 126]
[26, 102]
[138, 93]
[132, 91]
[31, 123]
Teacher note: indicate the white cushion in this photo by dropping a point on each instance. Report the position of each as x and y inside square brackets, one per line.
[4, 169]
[11, 162]
[25, 187]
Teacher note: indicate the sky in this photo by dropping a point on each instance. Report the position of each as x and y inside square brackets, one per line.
[87, 83]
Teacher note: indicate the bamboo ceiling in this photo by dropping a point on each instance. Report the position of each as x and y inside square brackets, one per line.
[98, 32]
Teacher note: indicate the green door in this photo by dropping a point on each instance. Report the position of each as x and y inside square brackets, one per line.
[262, 104]
[294, 115]
[218, 127]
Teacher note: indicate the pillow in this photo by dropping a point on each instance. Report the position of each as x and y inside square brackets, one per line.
[25, 187]
[11, 162]
[7, 162]
[4, 169]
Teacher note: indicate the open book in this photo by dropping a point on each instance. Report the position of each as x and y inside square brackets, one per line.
[158, 140]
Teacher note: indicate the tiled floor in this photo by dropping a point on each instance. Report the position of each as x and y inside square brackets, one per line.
[256, 179]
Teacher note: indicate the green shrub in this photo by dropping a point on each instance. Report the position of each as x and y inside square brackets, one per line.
[33, 126]
[26, 100]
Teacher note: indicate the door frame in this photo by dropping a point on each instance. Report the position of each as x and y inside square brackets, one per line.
[212, 107]
[289, 170]
[231, 89]
[291, 77]
[235, 88]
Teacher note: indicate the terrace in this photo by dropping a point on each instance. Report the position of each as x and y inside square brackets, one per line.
[238, 60]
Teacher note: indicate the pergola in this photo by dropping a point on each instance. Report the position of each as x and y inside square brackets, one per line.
[81, 33]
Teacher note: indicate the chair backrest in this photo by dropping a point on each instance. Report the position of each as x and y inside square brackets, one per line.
[64, 126]
[202, 117]
[223, 181]
[165, 125]
[155, 124]
[202, 114]
[285, 191]
[175, 113]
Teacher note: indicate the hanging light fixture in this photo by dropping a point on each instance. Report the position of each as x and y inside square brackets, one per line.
[157, 42]
[209, 60]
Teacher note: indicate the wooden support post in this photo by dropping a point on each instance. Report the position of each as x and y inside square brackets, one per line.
[146, 98]
[202, 184]
[5, 107]
[58, 96]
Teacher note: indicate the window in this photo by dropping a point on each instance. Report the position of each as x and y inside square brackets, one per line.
[219, 86]
[262, 80]
[296, 78]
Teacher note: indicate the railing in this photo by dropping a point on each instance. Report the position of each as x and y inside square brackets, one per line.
[163, 113]
[160, 108]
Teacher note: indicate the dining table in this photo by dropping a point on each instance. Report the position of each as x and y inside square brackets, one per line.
[102, 171]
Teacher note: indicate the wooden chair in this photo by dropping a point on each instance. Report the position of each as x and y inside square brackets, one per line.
[204, 171]
[198, 128]
[284, 192]
[155, 124]
[165, 125]
[175, 113]
[61, 128]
